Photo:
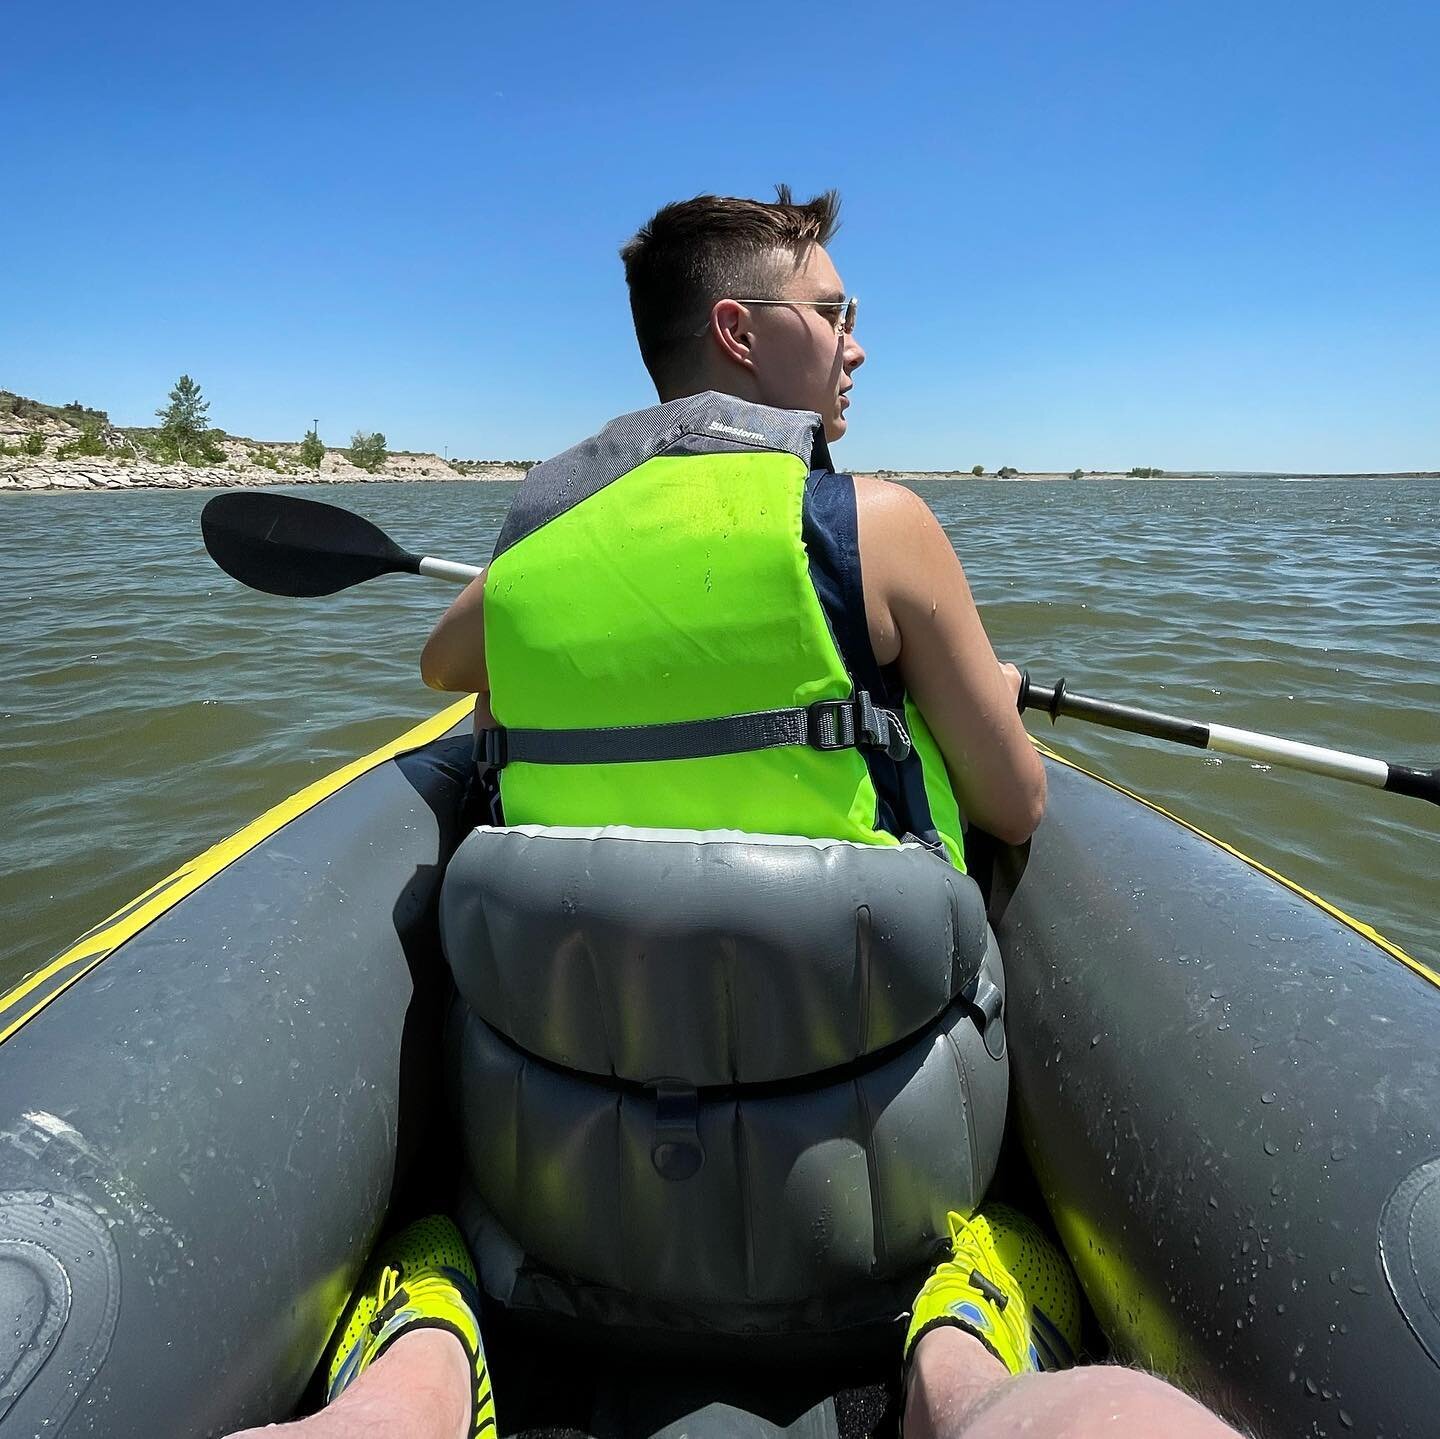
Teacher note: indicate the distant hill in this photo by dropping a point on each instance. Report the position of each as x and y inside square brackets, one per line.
[60, 425]
[74, 415]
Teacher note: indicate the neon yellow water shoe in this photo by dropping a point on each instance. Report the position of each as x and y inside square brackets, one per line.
[420, 1279]
[1006, 1284]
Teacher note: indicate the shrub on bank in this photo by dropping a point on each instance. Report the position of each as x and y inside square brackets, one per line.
[200, 451]
[312, 451]
[87, 445]
[367, 450]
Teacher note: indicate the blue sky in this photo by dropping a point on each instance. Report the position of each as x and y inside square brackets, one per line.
[1084, 233]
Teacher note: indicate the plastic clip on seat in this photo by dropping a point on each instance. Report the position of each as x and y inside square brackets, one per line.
[676, 1152]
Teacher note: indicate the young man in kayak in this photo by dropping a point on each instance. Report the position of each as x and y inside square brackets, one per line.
[749, 335]
[735, 298]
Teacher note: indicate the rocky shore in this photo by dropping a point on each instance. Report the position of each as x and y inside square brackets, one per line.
[21, 473]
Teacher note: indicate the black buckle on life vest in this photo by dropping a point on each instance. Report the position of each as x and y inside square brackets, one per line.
[493, 748]
[856, 723]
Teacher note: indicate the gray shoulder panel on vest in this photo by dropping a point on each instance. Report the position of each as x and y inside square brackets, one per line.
[697, 424]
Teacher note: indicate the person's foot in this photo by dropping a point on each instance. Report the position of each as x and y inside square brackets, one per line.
[422, 1278]
[1006, 1284]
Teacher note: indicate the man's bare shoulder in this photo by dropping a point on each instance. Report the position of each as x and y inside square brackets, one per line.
[889, 508]
[893, 517]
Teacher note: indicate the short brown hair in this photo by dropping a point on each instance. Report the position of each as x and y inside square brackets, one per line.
[695, 252]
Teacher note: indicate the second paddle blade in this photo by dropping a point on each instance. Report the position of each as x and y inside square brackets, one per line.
[283, 545]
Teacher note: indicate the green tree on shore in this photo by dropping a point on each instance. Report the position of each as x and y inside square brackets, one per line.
[184, 433]
[978, 471]
[33, 443]
[1077, 474]
[312, 449]
[367, 450]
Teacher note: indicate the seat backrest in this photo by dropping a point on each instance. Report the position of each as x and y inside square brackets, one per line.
[717, 1081]
[709, 957]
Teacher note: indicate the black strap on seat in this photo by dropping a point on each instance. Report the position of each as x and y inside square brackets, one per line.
[854, 723]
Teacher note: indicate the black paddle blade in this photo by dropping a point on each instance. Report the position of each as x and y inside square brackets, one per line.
[283, 545]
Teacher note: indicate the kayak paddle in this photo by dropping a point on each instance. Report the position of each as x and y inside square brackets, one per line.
[1247, 744]
[284, 545]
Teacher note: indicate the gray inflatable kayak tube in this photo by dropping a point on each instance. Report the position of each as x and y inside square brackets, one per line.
[198, 1136]
[1230, 1097]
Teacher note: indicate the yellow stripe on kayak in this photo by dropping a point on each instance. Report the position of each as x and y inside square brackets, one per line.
[29, 997]
[1359, 926]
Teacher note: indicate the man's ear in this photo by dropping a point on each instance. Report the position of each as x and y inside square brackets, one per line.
[730, 332]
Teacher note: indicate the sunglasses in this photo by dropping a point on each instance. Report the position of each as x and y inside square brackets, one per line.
[844, 320]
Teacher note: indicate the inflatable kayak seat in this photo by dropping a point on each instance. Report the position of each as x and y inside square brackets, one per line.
[717, 1081]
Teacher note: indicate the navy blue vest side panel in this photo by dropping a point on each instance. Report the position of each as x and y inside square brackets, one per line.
[831, 532]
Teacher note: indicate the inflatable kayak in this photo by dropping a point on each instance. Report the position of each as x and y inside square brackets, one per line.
[212, 1104]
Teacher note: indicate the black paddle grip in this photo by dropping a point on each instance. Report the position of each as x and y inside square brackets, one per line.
[1057, 701]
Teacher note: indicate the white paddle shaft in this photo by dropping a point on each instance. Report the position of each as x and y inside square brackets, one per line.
[1313, 757]
[449, 570]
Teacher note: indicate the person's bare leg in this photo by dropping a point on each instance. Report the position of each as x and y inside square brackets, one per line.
[951, 1372]
[958, 1388]
[419, 1388]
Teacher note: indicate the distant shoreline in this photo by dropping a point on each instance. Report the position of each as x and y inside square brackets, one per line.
[51, 476]
[1069, 477]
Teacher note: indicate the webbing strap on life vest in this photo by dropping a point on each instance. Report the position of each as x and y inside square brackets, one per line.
[854, 723]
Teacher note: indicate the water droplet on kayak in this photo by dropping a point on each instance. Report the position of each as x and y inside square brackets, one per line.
[1094, 1040]
[1346, 1420]
[1268, 1097]
[1311, 1387]
[1272, 1148]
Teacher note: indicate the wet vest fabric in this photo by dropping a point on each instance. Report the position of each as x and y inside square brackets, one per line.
[694, 561]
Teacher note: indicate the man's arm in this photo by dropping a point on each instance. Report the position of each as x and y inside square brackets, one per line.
[454, 655]
[921, 613]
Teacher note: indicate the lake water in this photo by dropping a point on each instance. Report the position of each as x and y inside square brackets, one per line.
[151, 705]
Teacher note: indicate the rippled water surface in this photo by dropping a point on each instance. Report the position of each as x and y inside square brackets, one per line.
[152, 706]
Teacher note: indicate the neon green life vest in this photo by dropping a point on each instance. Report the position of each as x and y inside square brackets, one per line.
[658, 576]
